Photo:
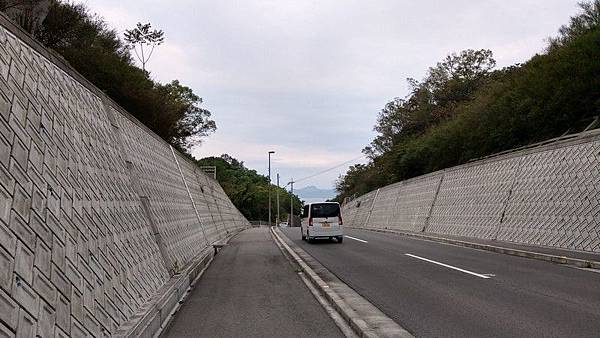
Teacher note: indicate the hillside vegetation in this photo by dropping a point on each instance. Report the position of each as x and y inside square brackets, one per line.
[248, 190]
[464, 109]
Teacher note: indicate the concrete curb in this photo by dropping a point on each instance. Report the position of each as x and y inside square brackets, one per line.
[156, 315]
[363, 317]
[582, 263]
[340, 321]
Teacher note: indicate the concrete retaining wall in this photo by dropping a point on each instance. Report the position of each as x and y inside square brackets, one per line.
[548, 195]
[102, 224]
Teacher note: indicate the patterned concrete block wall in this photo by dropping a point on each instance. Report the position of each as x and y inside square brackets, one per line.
[413, 203]
[545, 195]
[471, 198]
[210, 211]
[384, 200]
[357, 211]
[555, 198]
[400, 206]
[201, 196]
[95, 214]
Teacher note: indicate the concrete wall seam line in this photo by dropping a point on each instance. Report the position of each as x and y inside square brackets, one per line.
[395, 205]
[207, 203]
[218, 208]
[508, 197]
[372, 206]
[157, 235]
[219, 219]
[189, 194]
[144, 201]
[437, 191]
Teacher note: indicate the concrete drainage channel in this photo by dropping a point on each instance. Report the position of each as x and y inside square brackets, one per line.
[353, 314]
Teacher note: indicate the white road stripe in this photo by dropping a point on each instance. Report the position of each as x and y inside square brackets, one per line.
[356, 239]
[450, 266]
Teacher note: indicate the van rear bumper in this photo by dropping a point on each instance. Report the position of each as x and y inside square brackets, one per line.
[319, 233]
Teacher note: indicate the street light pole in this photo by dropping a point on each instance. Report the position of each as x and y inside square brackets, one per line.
[270, 152]
[277, 218]
[291, 203]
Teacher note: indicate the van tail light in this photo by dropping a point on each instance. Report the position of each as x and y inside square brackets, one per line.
[310, 222]
[340, 219]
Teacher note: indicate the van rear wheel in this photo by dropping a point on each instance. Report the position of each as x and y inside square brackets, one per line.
[303, 237]
[308, 238]
[340, 239]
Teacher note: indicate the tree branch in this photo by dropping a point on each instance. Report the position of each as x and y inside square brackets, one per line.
[143, 58]
[136, 53]
[151, 51]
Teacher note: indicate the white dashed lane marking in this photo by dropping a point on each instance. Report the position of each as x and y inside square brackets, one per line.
[356, 239]
[485, 276]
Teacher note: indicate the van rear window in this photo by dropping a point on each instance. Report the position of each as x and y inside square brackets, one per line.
[324, 210]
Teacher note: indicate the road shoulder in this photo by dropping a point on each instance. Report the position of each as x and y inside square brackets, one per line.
[366, 319]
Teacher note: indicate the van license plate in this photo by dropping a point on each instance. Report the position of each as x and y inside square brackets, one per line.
[325, 225]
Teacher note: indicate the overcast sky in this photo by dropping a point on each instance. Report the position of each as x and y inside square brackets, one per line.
[307, 78]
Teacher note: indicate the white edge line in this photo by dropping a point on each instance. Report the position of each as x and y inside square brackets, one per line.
[449, 266]
[356, 239]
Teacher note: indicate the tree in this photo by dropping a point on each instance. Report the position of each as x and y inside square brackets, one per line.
[587, 20]
[455, 78]
[432, 100]
[391, 121]
[143, 37]
[191, 121]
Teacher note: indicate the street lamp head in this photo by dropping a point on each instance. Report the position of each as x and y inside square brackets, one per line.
[271, 152]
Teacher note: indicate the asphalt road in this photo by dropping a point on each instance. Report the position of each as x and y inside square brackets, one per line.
[251, 290]
[473, 294]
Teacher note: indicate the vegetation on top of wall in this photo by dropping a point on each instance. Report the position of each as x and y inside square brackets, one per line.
[464, 109]
[84, 40]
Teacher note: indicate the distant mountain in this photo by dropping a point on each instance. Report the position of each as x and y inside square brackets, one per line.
[314, 194]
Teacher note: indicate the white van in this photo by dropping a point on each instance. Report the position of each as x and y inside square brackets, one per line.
[322, 220]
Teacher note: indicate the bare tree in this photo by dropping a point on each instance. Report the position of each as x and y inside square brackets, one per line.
[145, 39]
